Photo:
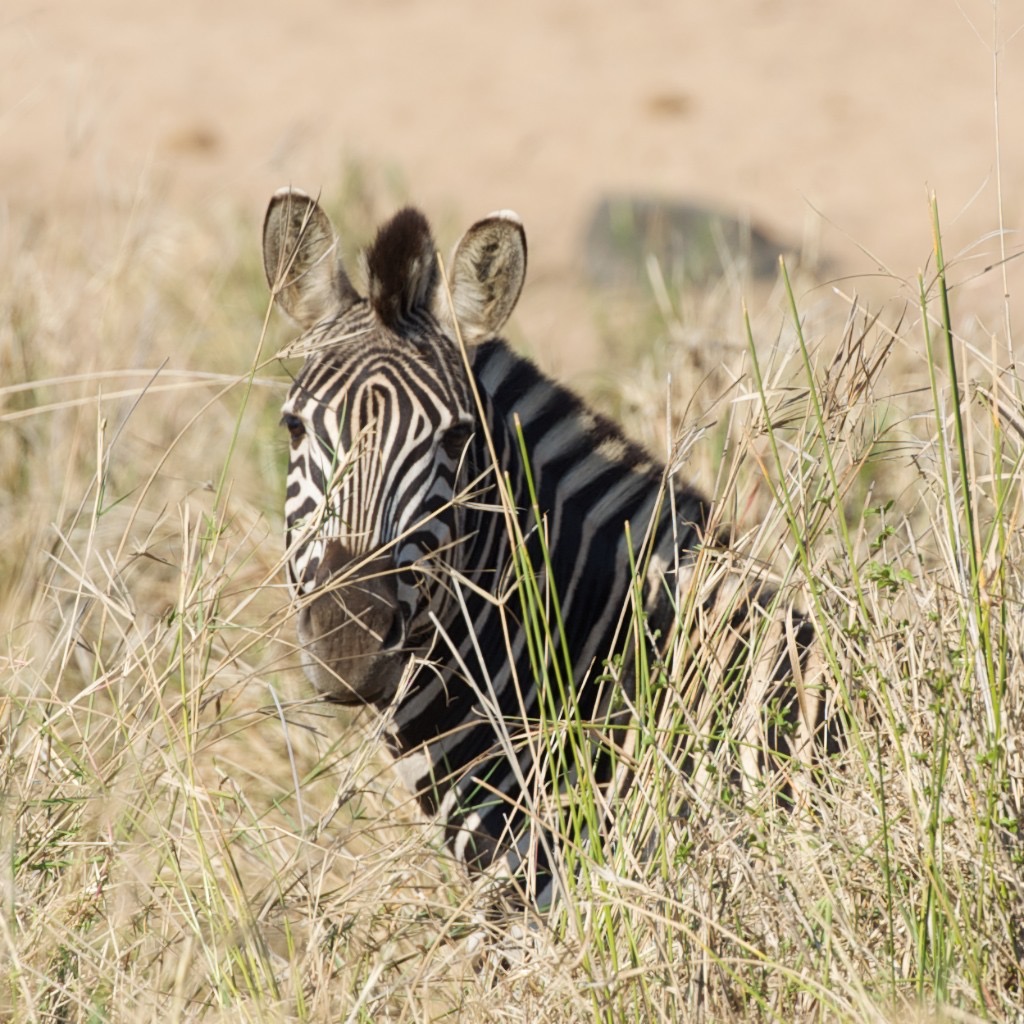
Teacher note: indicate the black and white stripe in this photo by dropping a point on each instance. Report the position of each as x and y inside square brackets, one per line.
[410, 504]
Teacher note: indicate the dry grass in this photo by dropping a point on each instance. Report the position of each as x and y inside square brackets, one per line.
[185, 835]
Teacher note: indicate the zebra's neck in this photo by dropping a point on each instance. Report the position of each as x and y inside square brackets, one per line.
[544, 433]
[499, 667]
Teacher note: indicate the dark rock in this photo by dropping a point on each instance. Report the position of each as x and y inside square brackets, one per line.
[692, 243]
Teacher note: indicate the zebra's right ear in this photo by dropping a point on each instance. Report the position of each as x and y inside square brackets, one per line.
[301, 261]
[486, 275]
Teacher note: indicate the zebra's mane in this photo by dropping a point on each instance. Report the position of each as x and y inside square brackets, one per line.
[512, 380]
[401, 268]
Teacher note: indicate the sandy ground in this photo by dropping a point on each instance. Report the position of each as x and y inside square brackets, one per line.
[822, 121]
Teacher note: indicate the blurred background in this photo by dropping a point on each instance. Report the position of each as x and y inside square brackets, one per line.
[823, 124]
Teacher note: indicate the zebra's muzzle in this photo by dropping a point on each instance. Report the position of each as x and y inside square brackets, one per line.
[351, 632]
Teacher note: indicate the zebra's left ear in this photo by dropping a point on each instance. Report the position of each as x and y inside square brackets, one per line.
[486, 276]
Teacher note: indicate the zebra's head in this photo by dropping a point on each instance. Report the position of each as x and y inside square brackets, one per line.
[379, 418]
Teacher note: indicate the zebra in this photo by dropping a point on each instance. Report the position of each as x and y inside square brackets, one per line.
[439, 487]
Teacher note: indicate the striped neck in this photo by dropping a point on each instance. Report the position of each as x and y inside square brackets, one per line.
[464, 729]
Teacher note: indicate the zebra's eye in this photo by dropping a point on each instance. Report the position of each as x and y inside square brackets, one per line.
[295, 427]
[455, 439]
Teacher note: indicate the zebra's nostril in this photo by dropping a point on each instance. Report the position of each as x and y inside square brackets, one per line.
[322, 576]
[335, 557]
[395, 637]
